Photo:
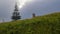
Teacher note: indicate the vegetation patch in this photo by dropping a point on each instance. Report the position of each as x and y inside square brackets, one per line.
[47, 24]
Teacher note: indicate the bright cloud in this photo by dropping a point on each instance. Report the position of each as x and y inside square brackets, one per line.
[21, 3]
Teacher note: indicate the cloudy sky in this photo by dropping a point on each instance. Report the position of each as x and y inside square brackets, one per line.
[39, 7]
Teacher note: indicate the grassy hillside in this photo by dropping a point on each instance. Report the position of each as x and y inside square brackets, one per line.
[47, 24]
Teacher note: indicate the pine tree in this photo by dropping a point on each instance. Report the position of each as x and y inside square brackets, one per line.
[16, 14]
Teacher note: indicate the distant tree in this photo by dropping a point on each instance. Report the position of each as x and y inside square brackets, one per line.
[16, 14]
[33, 15]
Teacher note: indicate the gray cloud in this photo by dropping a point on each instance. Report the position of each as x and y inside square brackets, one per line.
[40, 7]
[6, 8]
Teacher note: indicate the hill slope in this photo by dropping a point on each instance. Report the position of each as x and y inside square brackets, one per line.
[47, 24]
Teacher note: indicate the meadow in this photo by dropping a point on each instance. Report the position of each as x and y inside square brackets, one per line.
[46, 24]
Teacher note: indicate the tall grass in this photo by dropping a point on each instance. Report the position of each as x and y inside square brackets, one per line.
[48, 24]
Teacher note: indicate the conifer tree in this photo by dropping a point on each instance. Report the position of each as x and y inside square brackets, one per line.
[16, 14]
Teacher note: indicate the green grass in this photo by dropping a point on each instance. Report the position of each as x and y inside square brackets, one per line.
[47, 24]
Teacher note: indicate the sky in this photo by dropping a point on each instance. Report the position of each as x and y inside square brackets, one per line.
[39, 7]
